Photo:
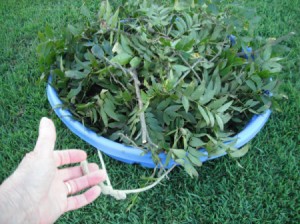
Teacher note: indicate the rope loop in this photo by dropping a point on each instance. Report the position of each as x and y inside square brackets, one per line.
[107, 188]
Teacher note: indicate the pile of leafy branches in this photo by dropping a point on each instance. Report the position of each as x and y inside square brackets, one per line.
[164, 78]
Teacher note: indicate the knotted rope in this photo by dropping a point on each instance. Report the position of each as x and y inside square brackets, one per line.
[107, 188]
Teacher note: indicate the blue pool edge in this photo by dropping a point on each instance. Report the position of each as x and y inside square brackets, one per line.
[133, 155]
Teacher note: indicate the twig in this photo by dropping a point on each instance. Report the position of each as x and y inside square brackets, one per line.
[154, 172]
[138, 135]
[132, 73]
[191, 68]
[187, 72]
[116, 65]
[130, 140]
[219, 53]
[141, 106]
[162, 169]
[117, 81]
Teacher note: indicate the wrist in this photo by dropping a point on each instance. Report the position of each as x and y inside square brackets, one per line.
[13, 207]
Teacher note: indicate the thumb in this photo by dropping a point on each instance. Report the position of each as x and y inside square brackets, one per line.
[47, 136]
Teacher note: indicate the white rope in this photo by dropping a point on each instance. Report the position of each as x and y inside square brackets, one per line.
[107, 189]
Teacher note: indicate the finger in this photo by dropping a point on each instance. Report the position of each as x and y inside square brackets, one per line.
[84, 199]
[69, 156]
[47, 136]
[75, 172]
[86, 181]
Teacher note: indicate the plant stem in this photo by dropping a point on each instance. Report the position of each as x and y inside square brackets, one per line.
[140, 103]
[191, 68]
[133, 74]
[130, 140]
[118, 82]
[187, 72]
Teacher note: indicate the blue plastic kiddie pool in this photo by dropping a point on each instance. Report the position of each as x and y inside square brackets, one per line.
[133, 155]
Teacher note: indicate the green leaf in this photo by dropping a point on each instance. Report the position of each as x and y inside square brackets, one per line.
[258, 81]
[190, 169]
[186, 103]
[199, 91]
[95, 115]
[113, 21]
[188, 19]
[122, 58]
[271, 85]
[272, 67]
[211, 118]
[208, 65]
[207, 97]
[204, 114]
[267, 53]
[180, 5]
[214, 105]
[216, 33]
[185, 44]
[104, 116]
[251, 103]
[135, 62]
[179, 153]
[84, 106]
[240, 152]
[225, 107]
[75, 31]
[102, 10]
[83, 65]
[163, 104]
[218, 85]
[107, 47]
[195, 152]
[125, 42]
[264, 74]
[118, 48]
[97, 51]
[168, 158]
[213, 8]
[173, 108]
[251, 85]
[180, 68]
[181, 26]
[109, 109]
[180, 161]
[74, 92]
[194, 160]
[89, 57]
[219, 122]
[196, 142]
[73, 74]
[165, 42]
[107, 11]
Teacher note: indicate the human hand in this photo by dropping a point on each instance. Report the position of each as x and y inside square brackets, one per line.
[37, 192]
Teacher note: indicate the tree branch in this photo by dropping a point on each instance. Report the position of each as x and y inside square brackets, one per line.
[141, 106]
[132, 73]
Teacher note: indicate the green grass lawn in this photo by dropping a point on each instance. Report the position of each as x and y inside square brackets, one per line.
[266, 190]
